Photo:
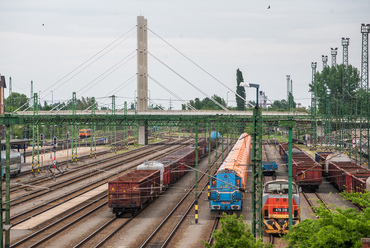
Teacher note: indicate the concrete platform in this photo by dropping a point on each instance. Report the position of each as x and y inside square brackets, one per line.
[47, 159]
[46, 216]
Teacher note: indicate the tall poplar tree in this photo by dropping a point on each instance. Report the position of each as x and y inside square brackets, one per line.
[240, 104]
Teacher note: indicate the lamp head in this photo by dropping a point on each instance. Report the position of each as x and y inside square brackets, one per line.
[244, 84]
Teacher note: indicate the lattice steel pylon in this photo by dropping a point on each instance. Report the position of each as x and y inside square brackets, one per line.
[365, 56]
[35, 138]
[257, 172]
[333, 53]
[324, 61]
[313, 104]
[74, 129]
[345, 44]
[93, 128]
[365, 142]
[114, 134]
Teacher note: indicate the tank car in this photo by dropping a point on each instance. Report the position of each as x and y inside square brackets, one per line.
[275, 209]
[226, 191]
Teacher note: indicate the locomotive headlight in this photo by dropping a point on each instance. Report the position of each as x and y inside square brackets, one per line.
[233, 197]
[269, 222]
[218, 196]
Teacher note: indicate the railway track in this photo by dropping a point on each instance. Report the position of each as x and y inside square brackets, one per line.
[25, 215]
[163, 233]
[38, 181]
[166, 230]
[41, 236]
[314, 200]
[215, 226]
[70, 177]
[36, 236]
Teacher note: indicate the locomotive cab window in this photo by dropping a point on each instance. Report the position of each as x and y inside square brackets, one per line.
[279, 187]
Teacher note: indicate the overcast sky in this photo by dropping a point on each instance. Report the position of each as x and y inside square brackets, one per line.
[51, 42]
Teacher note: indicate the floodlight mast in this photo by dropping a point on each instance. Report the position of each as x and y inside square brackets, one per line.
[365, 56]
[334, 52]
[324, 61]
[345, 44]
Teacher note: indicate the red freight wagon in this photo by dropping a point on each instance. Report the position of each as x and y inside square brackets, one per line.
[165, 167]
[128, 193]
[306, 171]
[358, 181]
[337, 173]
[182, 157]
[307, 174]
[320, 157]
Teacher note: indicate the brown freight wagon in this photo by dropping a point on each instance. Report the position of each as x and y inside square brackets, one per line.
[337, 173]
[185, 156]
[359, 181]
[320, 157]
[130, 192]
[307, 173]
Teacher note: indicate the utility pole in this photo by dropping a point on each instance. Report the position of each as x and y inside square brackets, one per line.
[289, 92]
[345, 44]
[10, 89]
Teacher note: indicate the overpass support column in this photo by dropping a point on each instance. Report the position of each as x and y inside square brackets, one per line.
[142, 75]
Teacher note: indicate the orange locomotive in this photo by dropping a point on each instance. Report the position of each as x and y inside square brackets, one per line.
[276, 206]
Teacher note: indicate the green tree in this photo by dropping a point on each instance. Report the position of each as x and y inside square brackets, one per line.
[337, 90]
[235, 233]
[340, 228]
[240, 105]
[206, 103]
[15, 101]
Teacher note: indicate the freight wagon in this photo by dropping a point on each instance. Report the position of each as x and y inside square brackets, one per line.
[343, 173]
[130, 192]
[307, 173]
[134, 190]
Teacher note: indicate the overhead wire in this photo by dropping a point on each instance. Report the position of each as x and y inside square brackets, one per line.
[126, 83]
[172, 93]
[94, 56]
[205, 94]
[209, 74]
[107, 73]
